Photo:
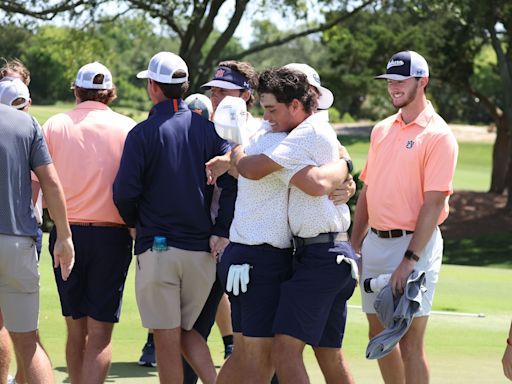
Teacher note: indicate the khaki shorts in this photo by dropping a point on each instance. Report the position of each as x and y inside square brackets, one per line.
[383, 256]
[19, 283]
[172, 287]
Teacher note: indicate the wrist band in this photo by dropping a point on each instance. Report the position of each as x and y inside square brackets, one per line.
[509, 342]
[411, 255]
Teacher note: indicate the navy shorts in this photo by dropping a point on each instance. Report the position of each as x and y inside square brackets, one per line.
[253, 312]
[96, 283]
[313, 303]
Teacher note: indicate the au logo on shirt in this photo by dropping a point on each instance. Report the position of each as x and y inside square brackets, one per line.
[410, 144]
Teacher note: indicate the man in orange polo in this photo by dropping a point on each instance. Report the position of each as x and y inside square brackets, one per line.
[86, 144]
[407, 182]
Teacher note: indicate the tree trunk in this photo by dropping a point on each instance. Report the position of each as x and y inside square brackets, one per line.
[500, 157]
[509, 176]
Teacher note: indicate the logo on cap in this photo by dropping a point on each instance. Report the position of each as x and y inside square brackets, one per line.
[395, 63]
[219, 73]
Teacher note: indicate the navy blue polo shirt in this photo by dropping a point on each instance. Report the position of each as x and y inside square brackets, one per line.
[160, 188]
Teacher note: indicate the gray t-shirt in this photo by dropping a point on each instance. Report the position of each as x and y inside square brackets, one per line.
[22, 149]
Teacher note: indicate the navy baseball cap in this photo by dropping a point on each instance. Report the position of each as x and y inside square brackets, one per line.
[228, 78]
[404, 65]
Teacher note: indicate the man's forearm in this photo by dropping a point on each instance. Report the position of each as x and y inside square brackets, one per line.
[427, 220]
[360, 226]
[320, 181]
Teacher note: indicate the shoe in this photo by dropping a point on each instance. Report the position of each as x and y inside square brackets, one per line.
[148, 358]
[228, 350]
[11, 380]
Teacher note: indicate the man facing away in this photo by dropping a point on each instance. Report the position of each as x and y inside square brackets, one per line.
[23, 149]
[312, 304]
[407, 181]
[86, 144]
[161, 190]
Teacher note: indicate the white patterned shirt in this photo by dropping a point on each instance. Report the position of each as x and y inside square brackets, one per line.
[261, 205]
[313, 142]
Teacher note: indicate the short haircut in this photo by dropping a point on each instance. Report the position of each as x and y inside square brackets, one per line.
[105, 96]
[174, 91]
[248, 71]
[286, 85]
[16, 66]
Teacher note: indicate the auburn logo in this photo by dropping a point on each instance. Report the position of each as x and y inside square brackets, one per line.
[409, 144]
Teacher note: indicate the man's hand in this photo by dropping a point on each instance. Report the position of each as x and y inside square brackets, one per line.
[217, 245]
[64, 256]
[216, 167]
[344, 192]
[399, 277]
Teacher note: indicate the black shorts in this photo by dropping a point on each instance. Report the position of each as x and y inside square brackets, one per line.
[96, 283]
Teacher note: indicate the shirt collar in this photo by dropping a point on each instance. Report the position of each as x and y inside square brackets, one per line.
[422, 119]
[169, 106]
[92, 105]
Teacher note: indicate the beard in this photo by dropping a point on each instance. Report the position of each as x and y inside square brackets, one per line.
[406, 99]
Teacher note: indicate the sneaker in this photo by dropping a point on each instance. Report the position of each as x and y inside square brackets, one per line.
[148, 356]
[11, 380]
[228, 350]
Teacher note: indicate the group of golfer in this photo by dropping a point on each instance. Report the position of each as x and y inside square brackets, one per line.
[264, 220]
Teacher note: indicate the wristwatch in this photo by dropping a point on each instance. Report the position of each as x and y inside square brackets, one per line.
[350, 165]
[411, 255]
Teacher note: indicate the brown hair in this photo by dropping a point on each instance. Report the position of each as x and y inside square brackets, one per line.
[247, 71]
[174, 91]
[105, 96]
[16, 66]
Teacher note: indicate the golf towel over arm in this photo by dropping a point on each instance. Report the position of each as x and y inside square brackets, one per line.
[396, 314]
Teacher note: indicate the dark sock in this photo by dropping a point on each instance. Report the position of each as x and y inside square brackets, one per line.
[228, 340]
[150, 337]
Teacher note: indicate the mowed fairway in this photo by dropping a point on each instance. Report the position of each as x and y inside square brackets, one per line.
[462, 349]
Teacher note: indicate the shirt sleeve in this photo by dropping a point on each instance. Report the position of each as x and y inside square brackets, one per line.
[128, 183]
[440, 163]
[39, 154]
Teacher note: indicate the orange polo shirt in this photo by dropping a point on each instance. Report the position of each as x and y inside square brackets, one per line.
[404, 162]
[86, 145]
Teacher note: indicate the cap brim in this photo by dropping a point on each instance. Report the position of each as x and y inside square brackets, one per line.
[143, 74]
[390, 76]
[221, 84]
[326, 98]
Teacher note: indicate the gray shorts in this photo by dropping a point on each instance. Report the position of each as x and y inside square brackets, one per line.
[380, 256]
[172, 287]
[19, 283]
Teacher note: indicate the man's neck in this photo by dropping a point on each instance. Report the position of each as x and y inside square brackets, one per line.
[412, 110]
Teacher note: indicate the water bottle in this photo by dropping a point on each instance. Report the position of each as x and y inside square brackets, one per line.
[159, 244]
[375, 284]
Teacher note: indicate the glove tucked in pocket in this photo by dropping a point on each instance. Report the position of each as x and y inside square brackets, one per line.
[238, 278]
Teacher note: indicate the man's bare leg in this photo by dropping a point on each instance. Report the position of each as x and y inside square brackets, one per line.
[287, 357]
[98, 351]
[333, 365]
[75, 347]
[258, 357]
[36, 363]
[233, 370]
[168, 355]
[5, 351]
[195, 350]
[391, 366]
[413, 352]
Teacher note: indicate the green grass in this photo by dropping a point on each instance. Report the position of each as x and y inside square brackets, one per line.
[461, 349]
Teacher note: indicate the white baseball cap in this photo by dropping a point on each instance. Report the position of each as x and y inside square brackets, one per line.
[326, 97]
[162, 67]
[86, 74]
[404, 65]
[230, 119]
[11, 89]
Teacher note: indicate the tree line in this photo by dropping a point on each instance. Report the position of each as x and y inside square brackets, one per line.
[466, 42]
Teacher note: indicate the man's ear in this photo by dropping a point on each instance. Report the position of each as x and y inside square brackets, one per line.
[246, 95]
[423, 82]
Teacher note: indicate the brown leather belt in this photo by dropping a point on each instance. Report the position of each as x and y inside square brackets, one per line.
[97, 224]
[392, 233]
[322, 238]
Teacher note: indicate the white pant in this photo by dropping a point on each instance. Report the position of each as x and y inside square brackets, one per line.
[384, 255]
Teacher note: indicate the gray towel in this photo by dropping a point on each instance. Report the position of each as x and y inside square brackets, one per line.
[396, 314]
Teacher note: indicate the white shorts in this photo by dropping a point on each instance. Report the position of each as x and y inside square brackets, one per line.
[19, 283]
[380, 256]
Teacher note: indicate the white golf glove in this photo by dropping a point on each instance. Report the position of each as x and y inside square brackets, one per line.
[238, 278]
[354, 270]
